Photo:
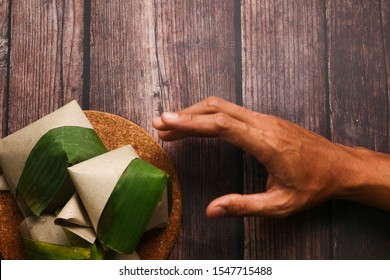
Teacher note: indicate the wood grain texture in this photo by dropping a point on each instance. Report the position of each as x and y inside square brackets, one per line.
[46, 58]
[324, 65]
[154, 56]
[124, 78]
[196, 59]
[358, 116]
[283, 53]
[4, 16]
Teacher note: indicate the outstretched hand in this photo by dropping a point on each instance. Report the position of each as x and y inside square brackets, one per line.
[304, 168]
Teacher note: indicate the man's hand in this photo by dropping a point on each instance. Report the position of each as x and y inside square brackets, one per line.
[304, 168]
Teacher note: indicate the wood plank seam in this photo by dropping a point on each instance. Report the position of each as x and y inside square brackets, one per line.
[5, 55]
[85, 98]
[160, 93]
[385, 55]
[328, 127]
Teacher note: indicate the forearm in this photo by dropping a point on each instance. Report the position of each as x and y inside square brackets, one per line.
[367, 178]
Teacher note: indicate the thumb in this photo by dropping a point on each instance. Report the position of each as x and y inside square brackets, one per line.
[270, 203]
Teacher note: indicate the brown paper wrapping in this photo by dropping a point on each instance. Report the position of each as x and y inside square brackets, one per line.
[94, 180]
[15, 148]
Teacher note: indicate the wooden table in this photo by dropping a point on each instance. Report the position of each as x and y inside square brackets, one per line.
[322, 64]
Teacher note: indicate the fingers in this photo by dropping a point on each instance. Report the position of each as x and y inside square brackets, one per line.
[212, 117]
[165, 125]
[212, 125]
[175, 126]
[213, 105]
[273, 203]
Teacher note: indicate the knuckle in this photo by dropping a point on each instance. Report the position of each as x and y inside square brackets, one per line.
[270, 119]
[240, 206]
[190, 117]
[222, 120]
[191, 123]
[214, 102]
[284, 208]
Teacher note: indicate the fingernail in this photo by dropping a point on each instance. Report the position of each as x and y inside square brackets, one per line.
[156, 122]
[219, 212]
[170, 116]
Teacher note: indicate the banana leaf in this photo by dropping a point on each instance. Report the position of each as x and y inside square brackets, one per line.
[97, 251]
[39, 250]
[44, 176]
[130, 206]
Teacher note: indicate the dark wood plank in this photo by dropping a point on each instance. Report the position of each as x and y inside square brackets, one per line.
[46, 58]
[284, 74]
[124, 78]
[153, 56]
[359, 116]
[4, 13]
[196, 59]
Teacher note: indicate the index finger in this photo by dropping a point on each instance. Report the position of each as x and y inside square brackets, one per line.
[220, 125]
[214, 105]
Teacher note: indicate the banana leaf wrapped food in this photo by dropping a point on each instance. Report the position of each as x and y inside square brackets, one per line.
[107, 202]
[125, 188]
[16, 148]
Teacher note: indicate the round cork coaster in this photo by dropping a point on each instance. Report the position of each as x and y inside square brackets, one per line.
[115, 132]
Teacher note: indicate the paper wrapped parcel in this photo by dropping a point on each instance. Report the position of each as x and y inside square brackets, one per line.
[15, 148]
[95, 180]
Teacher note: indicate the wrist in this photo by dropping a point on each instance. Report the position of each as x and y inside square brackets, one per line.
[366, 178]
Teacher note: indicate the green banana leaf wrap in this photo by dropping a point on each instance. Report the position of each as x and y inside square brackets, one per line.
[131, 206]
[44, 177]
